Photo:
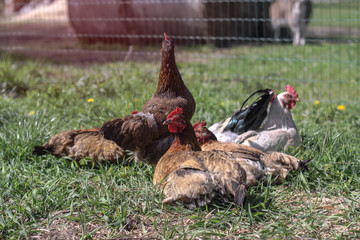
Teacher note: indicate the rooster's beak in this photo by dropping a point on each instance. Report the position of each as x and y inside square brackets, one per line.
[297, 99]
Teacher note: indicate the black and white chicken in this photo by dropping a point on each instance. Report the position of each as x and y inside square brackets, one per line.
[278, 131]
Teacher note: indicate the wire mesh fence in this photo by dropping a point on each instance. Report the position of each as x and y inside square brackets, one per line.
[265, 41]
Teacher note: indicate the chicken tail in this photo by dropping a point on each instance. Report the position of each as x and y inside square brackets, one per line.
[41, 150]
[303, 164]
[111, 129]
[250, 118]
[131, 132]
[279, 164]
[239, 191]
[231, 184]
[193, 187]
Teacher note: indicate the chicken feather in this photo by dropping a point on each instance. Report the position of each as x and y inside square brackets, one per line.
[79, 144]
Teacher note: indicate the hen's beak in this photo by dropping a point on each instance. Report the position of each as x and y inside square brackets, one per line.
[297, 99]
[166, 122]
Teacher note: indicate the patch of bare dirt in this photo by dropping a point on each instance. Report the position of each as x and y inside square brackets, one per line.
[62, 227]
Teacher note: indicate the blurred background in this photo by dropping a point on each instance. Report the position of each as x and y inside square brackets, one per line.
[272, 43]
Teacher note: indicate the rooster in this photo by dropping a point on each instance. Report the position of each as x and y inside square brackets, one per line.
[257, 164]
[79, 144]
[144, 132]
[279, 131]
[195, 177]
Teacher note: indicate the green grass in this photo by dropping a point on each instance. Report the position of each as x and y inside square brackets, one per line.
[336, 14]
[46, 196]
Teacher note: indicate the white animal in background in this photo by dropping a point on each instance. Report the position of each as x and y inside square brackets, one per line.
[294, 14]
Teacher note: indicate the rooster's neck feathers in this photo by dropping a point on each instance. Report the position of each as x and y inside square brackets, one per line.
[170, 80]
[279, 116]
[185, 141]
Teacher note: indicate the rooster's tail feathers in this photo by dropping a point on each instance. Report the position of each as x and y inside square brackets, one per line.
[281, 163]
[132, 131]
[239, 193]
[303, 164]
[251, 118]
[40, 150]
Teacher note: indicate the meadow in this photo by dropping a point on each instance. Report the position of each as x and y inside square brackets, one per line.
[47, 196]
[336, 14]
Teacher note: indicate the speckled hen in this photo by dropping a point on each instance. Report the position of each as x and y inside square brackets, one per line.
[195, 177]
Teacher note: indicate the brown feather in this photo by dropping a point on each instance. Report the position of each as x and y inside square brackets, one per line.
[79, 144]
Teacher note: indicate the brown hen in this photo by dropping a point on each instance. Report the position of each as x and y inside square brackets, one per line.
[195, 177]
[257, 164]
[144, 132]
[79, 144]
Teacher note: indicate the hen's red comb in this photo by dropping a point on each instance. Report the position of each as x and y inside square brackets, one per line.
[134, 112]
[166, 38]
[175, 112]
[199, 123]
[291, 90]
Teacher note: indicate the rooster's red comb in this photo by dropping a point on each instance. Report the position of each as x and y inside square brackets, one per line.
[291, 90]
[134, 112]
[199, 123]
[166, 38]
[175, 112]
